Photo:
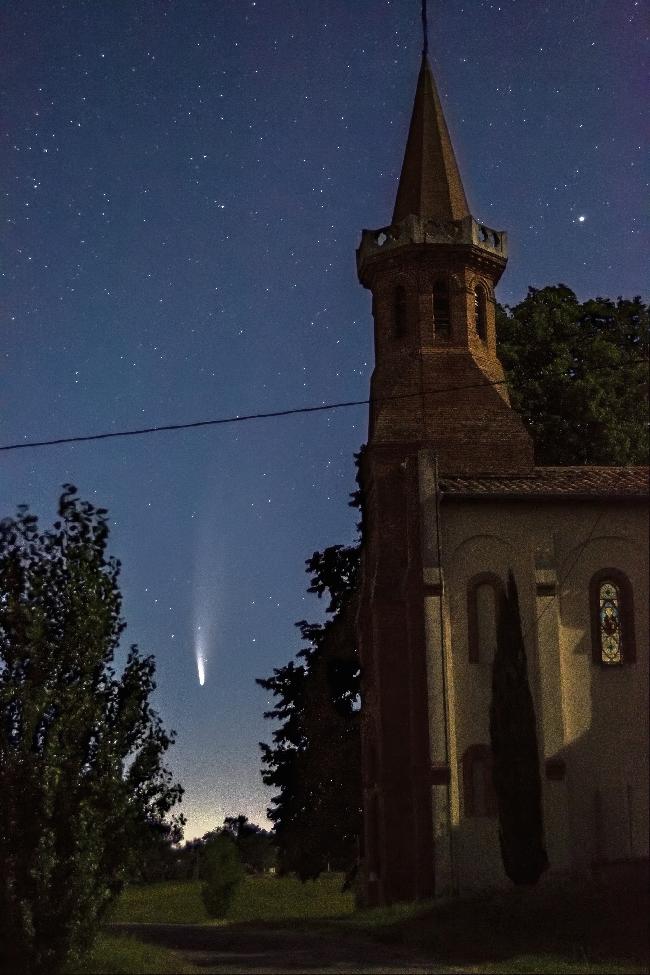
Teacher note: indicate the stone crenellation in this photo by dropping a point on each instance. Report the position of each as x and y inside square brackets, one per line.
[418, 230]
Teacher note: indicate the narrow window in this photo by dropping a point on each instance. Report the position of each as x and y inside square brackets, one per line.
[441, 319]
[609, 621]
[483, 593]
[478, 789]
[612, 618]
[399, 312]
[480, 312]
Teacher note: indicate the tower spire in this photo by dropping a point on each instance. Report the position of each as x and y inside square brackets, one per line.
[438, 400]
[430, 186]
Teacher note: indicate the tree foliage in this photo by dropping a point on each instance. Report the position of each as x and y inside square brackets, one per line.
[254, 844]
[222, 873]
[513, 738]
[578, 375]
[315, 759]
[82, 784]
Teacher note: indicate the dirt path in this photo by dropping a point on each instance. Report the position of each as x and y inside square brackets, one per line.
[270, 950]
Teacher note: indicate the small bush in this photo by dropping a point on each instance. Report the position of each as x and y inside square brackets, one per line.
[222, 874]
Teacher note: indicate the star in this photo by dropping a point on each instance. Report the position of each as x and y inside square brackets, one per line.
[109, 158]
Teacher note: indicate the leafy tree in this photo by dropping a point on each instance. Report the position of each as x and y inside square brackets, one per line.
[82, 784]
[578, 375]
[222, 873]
[315, 759]
[156, 856]
[254, 844]
[187, 860]
[335, 572]
[513, 738]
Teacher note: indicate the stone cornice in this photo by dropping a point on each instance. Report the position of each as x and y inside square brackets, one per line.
[415, 231]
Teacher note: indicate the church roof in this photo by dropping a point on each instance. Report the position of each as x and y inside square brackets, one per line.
[550, 483]
[430, 186]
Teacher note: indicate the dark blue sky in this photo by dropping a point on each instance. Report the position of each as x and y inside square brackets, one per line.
[185, 184]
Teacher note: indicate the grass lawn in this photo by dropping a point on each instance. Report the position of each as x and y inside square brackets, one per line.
[558, 927]
[554, 965]
[171, 902]
[263, 898]
[127, 956]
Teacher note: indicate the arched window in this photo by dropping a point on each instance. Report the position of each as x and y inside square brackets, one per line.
[399, 311]
[612, 618]
[483, 596]
[441, 317]
[479, 797]
[480, 312]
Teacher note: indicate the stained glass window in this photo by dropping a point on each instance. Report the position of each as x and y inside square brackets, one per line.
[611, 602]
[609, 618]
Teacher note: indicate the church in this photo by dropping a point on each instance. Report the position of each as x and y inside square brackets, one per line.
[453, 503]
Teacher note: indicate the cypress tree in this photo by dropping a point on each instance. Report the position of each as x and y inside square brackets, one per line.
[514, 750]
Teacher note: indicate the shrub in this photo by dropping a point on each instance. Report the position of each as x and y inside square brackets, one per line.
[222, 874]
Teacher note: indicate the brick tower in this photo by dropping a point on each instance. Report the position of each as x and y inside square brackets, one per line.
[437, 390]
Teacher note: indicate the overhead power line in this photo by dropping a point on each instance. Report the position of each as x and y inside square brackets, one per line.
[220, 421]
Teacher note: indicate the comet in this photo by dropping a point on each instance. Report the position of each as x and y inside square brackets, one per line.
[208, 584]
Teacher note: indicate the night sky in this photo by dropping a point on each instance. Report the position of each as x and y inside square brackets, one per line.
[185, 183]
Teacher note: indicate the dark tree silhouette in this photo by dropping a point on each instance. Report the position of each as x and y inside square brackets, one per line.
[315, 759]
[82, 785]
[515, 757]
[254, 844]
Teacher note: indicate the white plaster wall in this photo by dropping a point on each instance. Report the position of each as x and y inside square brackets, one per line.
[596, 719]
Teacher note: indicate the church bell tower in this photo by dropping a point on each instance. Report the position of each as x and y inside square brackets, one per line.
[432, 273]
[438, 391]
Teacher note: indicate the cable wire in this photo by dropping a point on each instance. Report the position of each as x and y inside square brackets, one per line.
[219, 421]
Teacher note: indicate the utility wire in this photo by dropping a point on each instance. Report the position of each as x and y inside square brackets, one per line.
[242, 419]
[220, 421]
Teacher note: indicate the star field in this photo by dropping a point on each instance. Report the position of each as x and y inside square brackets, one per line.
[184, 188]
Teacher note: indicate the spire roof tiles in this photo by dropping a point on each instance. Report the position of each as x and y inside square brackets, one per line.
[552, 482]
[430, 185]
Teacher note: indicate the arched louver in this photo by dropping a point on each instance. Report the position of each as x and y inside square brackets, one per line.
[480, 312]
[399, 312]
[441, 311]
